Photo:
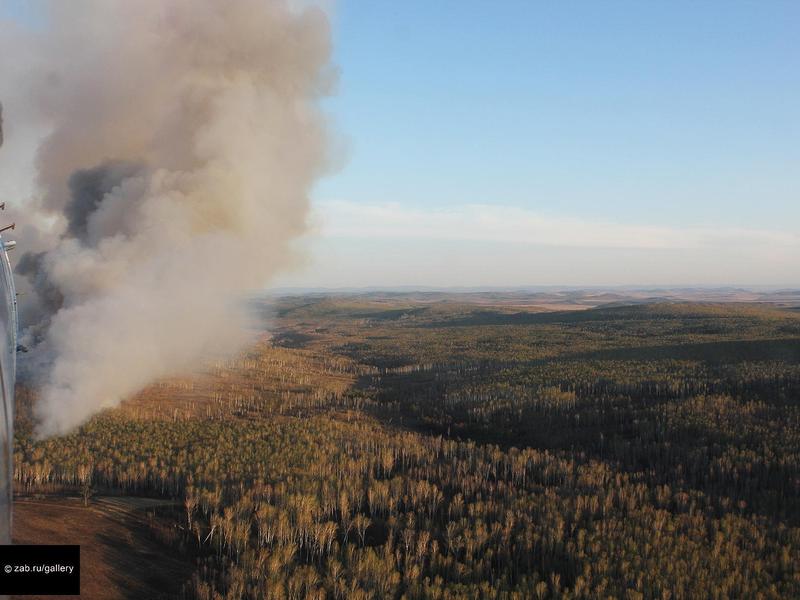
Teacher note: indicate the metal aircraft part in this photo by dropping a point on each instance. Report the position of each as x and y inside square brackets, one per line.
[8, 369]
[8, 363]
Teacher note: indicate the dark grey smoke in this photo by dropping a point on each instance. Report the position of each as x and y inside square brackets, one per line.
[87, 188]
[48, 297]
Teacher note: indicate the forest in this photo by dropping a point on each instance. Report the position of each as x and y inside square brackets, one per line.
[403, 447]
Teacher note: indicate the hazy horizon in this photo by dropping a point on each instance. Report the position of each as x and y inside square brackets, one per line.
[533, 288]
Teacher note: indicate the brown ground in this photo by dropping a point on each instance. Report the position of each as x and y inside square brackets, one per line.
[120, 560]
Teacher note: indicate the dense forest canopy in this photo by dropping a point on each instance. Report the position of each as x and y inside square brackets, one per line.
[399, 448]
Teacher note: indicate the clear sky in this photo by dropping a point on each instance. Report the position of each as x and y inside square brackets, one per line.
[513, 143]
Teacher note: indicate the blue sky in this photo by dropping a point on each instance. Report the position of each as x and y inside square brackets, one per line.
[668, 112]
[679, 115]
[515, 143]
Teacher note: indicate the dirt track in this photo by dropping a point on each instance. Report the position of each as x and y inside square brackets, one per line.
[119, 559]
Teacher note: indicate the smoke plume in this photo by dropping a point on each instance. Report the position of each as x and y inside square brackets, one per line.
[184, 137]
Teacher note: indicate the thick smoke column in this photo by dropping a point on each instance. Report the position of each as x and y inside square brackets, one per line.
[185, 137]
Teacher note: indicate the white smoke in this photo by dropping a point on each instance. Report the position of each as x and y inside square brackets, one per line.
[184, 138]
